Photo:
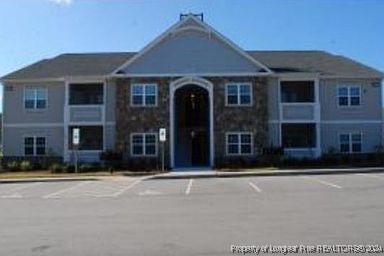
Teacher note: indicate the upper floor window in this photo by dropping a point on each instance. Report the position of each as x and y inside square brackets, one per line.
[297, 91]
[34, 146]
[144, 144]
[35, 98]
[349, 95]
[350, 142]
[144, 95]
[239, 143]
[238, 94]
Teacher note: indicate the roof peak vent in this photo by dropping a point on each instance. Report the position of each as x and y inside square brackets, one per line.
[197, 15]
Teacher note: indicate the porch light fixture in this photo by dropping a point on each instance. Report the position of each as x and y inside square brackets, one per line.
[193, 100]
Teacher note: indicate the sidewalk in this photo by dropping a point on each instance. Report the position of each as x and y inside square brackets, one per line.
[261, 172]
[192, 174]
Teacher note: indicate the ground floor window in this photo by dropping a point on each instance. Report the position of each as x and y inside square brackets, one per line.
[350, 142]
[144, 144]
[91, 137]
[34, 146]
[298, 135]
[239, 143]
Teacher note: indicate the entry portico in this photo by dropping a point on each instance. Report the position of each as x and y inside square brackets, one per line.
[176, 143]
[194, 64]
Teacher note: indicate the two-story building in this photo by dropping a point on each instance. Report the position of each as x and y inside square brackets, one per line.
[218, 102]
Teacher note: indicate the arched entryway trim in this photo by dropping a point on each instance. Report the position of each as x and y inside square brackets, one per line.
[203, 83]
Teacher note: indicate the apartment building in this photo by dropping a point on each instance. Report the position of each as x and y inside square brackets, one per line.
[217, 102]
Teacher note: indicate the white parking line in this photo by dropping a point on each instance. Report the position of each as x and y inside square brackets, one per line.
[371, 176]
[255, 187]
[11, 196]
[118, 193]
[189, 187]
[20, 187]
[324, 182]
[62, 191]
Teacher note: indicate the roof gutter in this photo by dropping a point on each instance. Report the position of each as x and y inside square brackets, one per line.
[32, 80]
[189, 74]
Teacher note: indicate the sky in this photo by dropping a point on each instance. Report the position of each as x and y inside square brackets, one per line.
[31, 30]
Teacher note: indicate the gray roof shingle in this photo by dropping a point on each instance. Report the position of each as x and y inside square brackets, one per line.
[314, 61]
[82, 64]
[100, 64]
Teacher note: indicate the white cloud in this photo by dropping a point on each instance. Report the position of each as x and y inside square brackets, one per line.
[63, 2]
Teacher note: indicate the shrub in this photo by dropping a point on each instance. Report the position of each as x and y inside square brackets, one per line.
[85, 168]
[271, 156]
[56, 168]
[26, 166]
[96, 167]
[43, 165]
[68, 168]
[112, 159]
[13, 166]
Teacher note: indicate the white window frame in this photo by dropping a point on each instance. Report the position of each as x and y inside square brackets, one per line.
[349, 96]
[238, 85]
[35, 144]
[143, 85]
[35, 89]
[350, 142]
[238, 134]
[143, 134]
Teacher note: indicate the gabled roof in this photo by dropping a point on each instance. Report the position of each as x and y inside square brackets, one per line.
[82, 64]
[191, 23]
[320, 62]
[102, 64]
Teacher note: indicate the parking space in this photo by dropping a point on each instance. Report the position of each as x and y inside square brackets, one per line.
[159, 188]
[263, 186]
[31, 190]
[101, 188]
[15, 190]
[177, 216]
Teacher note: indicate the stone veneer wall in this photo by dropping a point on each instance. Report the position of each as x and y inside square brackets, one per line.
[240, 119]
[140, 119]
[226, 119]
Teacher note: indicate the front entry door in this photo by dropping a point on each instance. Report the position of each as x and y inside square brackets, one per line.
[191, 127]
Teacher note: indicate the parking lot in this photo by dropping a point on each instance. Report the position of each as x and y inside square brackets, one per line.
[135, 216]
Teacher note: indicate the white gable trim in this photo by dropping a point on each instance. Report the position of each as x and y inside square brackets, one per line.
[176, 28]
[190, 27]
[229, 74]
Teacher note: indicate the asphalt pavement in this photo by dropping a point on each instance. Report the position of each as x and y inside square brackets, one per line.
[135, 216]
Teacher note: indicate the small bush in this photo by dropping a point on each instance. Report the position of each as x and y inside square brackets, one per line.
[112, 159]
[25, 166]
[96, 167]
[43, 165]
[56, 168]
[85, 168]
[13, 166]
[68, 168]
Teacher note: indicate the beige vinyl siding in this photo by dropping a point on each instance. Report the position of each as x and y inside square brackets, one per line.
[15, 113]
[370, 102]
[191, 52]
[13, 141]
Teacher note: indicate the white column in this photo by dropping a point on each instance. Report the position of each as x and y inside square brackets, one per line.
[318, 117]
[104, 114]
[171, 126]
[66, 121]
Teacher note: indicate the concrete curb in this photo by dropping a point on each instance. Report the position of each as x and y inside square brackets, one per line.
[27, 180]
[231, 174]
